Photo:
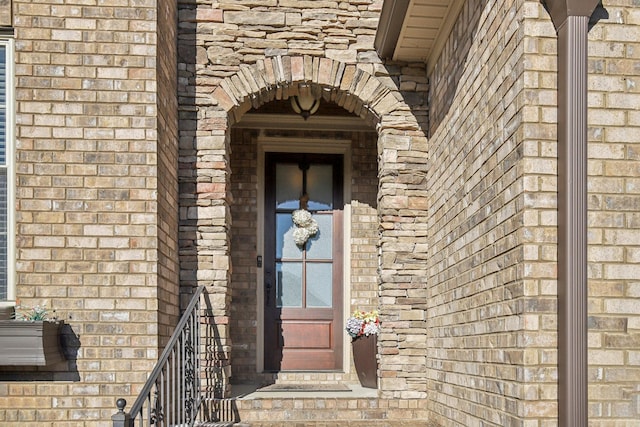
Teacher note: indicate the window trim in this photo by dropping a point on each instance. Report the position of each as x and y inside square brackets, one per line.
[8, 41]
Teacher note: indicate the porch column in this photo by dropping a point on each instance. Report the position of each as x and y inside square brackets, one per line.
[571, 20]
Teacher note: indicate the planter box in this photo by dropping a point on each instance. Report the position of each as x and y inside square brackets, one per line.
[24, 343]
[6, 312]
[365, 350]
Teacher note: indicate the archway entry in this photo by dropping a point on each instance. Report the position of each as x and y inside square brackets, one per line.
[385, 212]
[290, 300]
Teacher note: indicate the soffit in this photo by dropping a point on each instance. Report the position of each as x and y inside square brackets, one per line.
[415, 30]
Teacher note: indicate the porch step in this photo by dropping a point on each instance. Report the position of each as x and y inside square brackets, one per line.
[343, 423]
[307, 423]
[334, 423]
[354, 407]
[326, 412]
[219, 424]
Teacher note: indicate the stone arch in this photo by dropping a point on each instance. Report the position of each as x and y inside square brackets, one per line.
[347, 85]
[399, 118]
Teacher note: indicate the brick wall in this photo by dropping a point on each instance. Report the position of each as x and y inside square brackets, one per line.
[244, 322]
[493, 282]
[90, 235]
[482, 356]
[614, 206]
[612, 203]
[364, 223]
[166, 180]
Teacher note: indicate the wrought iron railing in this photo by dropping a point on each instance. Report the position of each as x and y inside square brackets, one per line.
[173, 393]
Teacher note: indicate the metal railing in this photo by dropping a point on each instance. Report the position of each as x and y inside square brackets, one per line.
[172, 395]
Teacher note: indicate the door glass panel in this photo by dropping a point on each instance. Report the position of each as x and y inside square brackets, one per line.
[320, 246]
[319, 284]
[285, 245]
[289, 188]
[320, 186]
[289, 284]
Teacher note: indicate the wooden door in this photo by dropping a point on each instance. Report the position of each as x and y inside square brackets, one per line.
[303, 281]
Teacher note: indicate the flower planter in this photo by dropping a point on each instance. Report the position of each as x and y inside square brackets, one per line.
[365, 349]
[7, 312]
[25, 343]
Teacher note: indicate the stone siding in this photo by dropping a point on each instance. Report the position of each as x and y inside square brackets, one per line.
[239, 56]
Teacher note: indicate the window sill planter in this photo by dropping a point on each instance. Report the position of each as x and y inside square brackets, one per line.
[30, 343]
[365, 349]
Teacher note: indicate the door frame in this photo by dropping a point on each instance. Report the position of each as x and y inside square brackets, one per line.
[304, 145]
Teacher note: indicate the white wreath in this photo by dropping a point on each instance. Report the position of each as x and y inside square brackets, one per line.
[306, 226]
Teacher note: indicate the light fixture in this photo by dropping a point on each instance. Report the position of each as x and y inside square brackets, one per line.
[305, 104]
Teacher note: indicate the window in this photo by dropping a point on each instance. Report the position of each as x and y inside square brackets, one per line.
[7, 290]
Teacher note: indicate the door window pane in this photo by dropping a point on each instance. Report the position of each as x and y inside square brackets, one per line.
[285, 245]
[320, 245]
[289, 284]
[319, 284]
[289, 187]
[320, 186]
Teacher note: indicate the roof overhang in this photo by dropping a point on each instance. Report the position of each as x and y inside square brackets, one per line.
[415, 30]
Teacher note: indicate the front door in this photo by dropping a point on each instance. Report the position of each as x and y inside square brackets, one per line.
[303, 262]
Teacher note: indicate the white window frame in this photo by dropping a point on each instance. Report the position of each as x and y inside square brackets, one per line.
[8, 42]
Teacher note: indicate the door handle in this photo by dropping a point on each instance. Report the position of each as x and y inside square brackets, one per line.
[267, 287]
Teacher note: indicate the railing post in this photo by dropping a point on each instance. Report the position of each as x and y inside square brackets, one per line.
[121, 418]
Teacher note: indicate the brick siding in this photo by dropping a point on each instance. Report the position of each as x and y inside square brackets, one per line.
[93, 133]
